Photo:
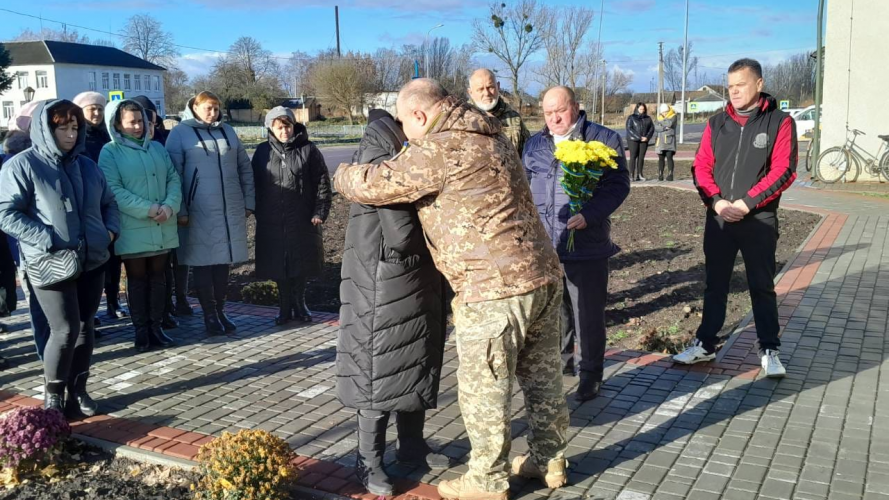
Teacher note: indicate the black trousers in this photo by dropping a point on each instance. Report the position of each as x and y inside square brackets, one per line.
[668, 155]
[112, 277]
[215, 277]
[637, 157]
[70, 307]
[756, 237]
[583, 315]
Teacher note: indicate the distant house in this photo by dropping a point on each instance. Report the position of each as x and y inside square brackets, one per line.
[701, 101]
[650, 100]
[61, 70]
[306, 109]
[381, 100]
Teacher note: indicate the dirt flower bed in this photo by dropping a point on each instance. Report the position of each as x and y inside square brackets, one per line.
[656, 284]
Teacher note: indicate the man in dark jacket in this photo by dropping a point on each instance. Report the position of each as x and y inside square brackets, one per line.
[746, 159]
[586, 267]
[392, 363]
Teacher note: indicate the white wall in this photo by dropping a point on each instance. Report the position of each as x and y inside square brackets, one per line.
[74, 79]
[855, 78]
[17, 95]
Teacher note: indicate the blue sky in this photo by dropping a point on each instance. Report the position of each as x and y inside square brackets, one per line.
[768, 30]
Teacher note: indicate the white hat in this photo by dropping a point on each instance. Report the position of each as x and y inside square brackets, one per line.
[664, 108]
[90, 98]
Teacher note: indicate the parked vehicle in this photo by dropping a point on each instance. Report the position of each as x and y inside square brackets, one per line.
[805, 121]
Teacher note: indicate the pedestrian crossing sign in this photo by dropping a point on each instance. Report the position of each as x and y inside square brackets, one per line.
[115, 95]
[785, 104]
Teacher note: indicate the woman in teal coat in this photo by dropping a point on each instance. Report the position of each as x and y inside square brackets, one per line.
[148, 192]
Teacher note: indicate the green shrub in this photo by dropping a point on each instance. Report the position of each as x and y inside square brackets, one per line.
[264, 293]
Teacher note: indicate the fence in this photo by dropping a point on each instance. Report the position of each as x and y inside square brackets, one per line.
[248, 132]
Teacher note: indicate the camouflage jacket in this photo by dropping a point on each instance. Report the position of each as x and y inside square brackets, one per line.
[473, 200]
[512, 125]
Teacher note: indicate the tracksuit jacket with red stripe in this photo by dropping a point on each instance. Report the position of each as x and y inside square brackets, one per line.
[751, 158]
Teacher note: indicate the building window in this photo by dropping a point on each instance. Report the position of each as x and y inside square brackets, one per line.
[104, 81]
[147, 83]
[126, 81]
[22, 78]
[138, 82]
[157, 104]
[42, 80]
[157, 84]
[116, 81]
[92, 81]
[8, 110]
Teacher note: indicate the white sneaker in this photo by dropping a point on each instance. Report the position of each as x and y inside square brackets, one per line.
[771, 364]
[695, 353]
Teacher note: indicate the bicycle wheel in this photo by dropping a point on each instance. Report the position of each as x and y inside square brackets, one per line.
[836, 163]
[809, 157]
[884, 166]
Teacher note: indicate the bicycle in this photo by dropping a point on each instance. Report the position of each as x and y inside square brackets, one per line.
[844, 162]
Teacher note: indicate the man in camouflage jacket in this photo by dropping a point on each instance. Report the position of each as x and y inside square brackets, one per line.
[482, 228]
[484, 90]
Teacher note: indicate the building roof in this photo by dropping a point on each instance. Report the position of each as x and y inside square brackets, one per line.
[52, 52]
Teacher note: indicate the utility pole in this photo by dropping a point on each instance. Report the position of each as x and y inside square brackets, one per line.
[426, 51]
[660, 76]
[819, 85]
[604, 78]
[684, 78]
[336, 13]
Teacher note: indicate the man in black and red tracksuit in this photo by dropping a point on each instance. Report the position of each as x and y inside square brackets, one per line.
[746, 159]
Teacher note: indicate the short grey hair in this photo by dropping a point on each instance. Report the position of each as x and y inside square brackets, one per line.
[421, 93]
[481, 71]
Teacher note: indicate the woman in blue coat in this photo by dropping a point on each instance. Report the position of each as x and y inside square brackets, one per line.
[148, 192]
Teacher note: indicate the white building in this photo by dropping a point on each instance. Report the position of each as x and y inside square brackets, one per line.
[61, 70]
[855, 78]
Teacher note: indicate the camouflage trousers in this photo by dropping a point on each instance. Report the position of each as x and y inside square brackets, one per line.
[496, 341]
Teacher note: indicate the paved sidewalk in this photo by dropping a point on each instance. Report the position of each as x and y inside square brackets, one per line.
[656, 431]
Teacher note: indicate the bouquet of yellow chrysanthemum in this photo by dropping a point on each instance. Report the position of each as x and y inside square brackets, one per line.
[583, 164]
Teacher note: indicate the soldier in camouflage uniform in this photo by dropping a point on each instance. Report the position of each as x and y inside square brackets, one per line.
[484, 234]
[484, 90]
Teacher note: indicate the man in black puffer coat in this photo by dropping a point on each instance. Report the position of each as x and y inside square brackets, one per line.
[392, 322]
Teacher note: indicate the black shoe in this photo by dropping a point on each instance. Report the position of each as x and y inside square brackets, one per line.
[113, 314]
[227, 324]
[169, 322]
[283, 317]
[54, 396]
[371, 447]
[79, 404]
[298, 299]
[183, 308]
[412, 446]
[208, 309]
[670, 178]
[588, 388]
[138, 300]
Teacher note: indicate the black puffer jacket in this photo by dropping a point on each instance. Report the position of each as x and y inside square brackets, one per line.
[96, 139]
[639, 126]
[292, 186]
[392, 320]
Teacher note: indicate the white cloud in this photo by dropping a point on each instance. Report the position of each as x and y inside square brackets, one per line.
[628, 72]
[197, 64]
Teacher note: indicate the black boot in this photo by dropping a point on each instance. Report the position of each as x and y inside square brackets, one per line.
[670, 171]
[412, 446]
[588, 388]
[54, 395]
[284, 303]
[180, 277]
[227, 324]
[156, 303]
[79, 404]
[300, 309]
[112, 309]
[371, 447]
[208, 307]
[660, 169]
[138, 298]
[169, 322]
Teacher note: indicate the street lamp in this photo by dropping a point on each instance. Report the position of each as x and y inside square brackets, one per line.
[29, 94]
[426, 51]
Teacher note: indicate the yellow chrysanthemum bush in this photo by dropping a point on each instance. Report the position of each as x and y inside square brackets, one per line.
[249, 465]
[583, 164]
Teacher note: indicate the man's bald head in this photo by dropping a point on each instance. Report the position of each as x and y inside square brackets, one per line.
[484, 90]
[560, 109]
[417, 104]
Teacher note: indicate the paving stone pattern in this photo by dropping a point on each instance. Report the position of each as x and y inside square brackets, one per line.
[655, 432]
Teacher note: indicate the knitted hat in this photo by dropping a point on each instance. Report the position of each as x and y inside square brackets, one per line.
[85, 99]
[664, 108]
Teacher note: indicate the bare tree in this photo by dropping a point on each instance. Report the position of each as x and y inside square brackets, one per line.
[512, 33]
[177, 91]
[145, 37]
[563, 43]
[387, 63]
[617, 82]
[590, 73]
[673, 66]
[247, 72]
[63, 35]
[294, 74]
[793, 78]
[343, 83]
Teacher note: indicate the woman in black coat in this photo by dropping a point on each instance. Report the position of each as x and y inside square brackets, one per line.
[292, 201]
[392, 323]
[640, 130]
